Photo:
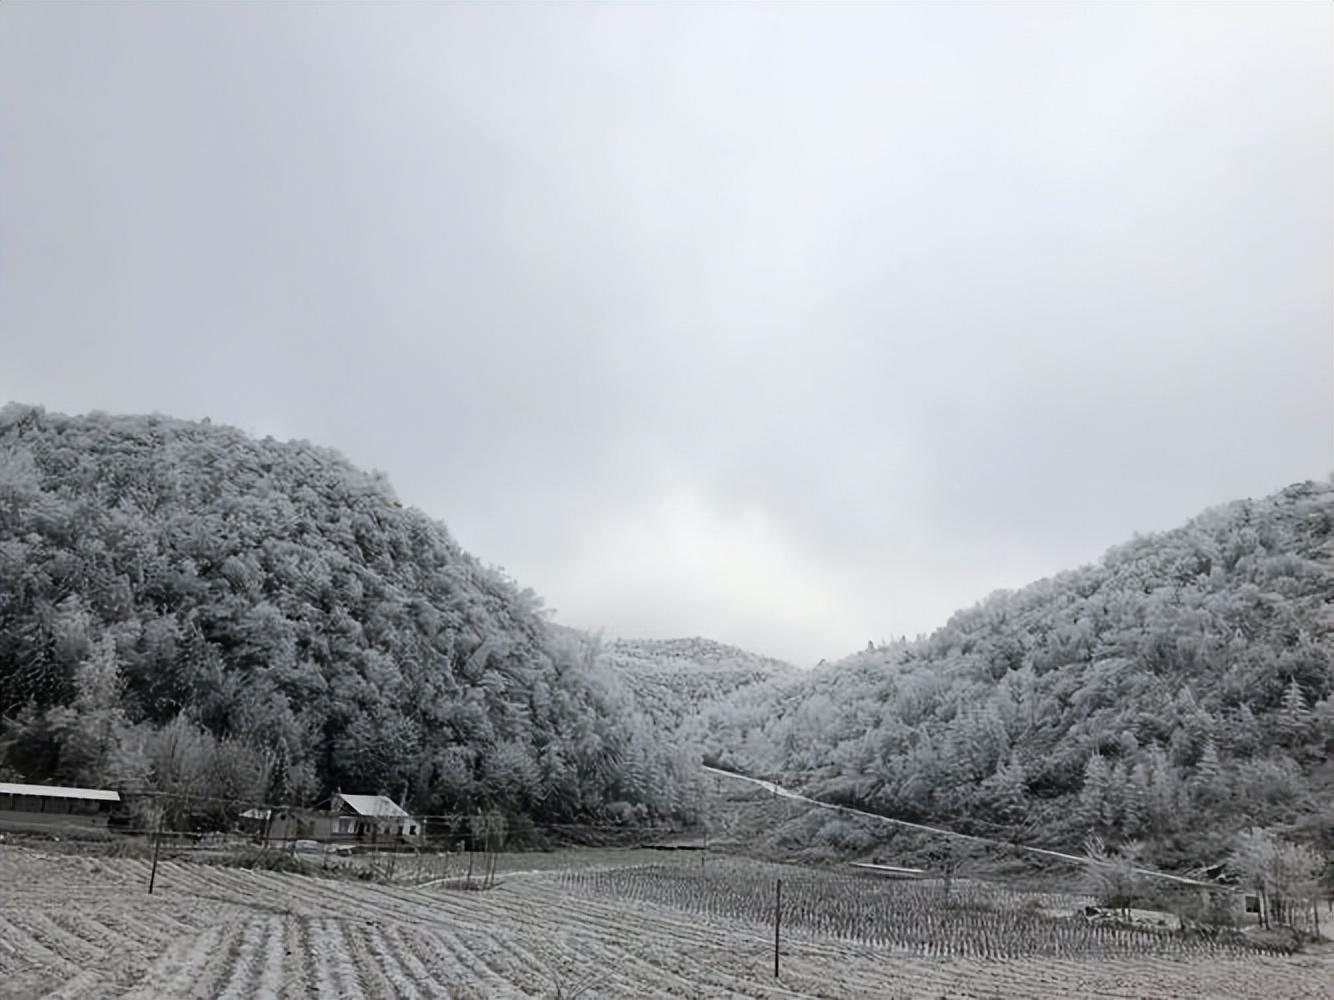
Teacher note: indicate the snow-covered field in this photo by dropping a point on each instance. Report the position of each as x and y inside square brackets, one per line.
[81, 927]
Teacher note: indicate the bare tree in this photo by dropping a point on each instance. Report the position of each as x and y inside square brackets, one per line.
[1113, 874]
[1286, 876]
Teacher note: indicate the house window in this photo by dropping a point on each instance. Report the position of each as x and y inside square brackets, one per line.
[412, 831]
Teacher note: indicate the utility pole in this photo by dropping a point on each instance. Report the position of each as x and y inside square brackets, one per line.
[778, 919]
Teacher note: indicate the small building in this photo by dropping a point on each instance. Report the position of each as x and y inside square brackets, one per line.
[55, 807]
[256, 819]
[349, 819]
[255, 822]
[284, 824]
[372, 819]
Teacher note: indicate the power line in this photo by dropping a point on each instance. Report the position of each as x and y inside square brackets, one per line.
[780, 791]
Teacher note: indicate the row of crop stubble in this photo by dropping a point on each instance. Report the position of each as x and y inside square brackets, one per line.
[79, 927]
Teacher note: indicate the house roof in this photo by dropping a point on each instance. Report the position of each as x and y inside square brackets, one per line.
[371, 805]
[60, 792]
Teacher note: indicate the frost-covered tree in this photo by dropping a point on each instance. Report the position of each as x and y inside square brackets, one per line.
[293, 612]
[1286, 875]
[92, 728]
[1097, 807]
[1114, 874]
[1294, 717]
[1173, 687]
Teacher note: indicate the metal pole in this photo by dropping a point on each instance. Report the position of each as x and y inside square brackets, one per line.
[778, 919]
[157, 843]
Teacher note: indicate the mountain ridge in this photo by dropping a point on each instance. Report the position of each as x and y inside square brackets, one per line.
[170, 583]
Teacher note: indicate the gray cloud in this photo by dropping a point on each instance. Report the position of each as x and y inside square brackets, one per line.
[790, 325]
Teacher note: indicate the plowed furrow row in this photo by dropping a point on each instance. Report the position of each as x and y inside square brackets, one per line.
[376, 951]
[202, 880]
[59, 939]
[297, 981]
[26, 934]
[273, 959]
[690, 969]
[335, 972]
[192, 967]
[652, 922]
[250, 953]
[298, 894]
[437, 970]
[361, 900]
[414, 971]
[374, 975]
[539, 960]
[28, 966]
[473, 968]
[106, 937]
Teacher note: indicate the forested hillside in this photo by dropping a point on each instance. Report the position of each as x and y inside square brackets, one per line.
[670, 680]
[185, 607]
[181, 604]
[1174, 693]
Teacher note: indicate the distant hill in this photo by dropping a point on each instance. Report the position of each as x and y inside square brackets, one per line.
[673, 679]
[1174, 693]
[691, 654]
[183, 606]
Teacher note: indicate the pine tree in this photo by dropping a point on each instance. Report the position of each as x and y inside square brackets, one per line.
[1294, 717]
[1006, 791]
[1204, 784]
[1164, 791]
[1095, 803]
[1134, 782]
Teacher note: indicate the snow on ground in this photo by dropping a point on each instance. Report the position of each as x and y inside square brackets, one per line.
[79, 927]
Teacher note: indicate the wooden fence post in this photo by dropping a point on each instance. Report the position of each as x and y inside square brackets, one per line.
[157, 844]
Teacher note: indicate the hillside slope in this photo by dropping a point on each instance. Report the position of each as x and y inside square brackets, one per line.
[671, 680]
[1173, 693]
[179, 597]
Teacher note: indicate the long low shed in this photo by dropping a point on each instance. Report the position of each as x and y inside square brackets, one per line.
[46, 806]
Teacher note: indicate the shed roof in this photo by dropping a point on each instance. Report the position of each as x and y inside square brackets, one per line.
[372, 805]
[60, 792]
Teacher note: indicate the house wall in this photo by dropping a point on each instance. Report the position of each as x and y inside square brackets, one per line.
[339, 828]
[350, 828]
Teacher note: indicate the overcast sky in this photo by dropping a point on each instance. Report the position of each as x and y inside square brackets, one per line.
[791, 326]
